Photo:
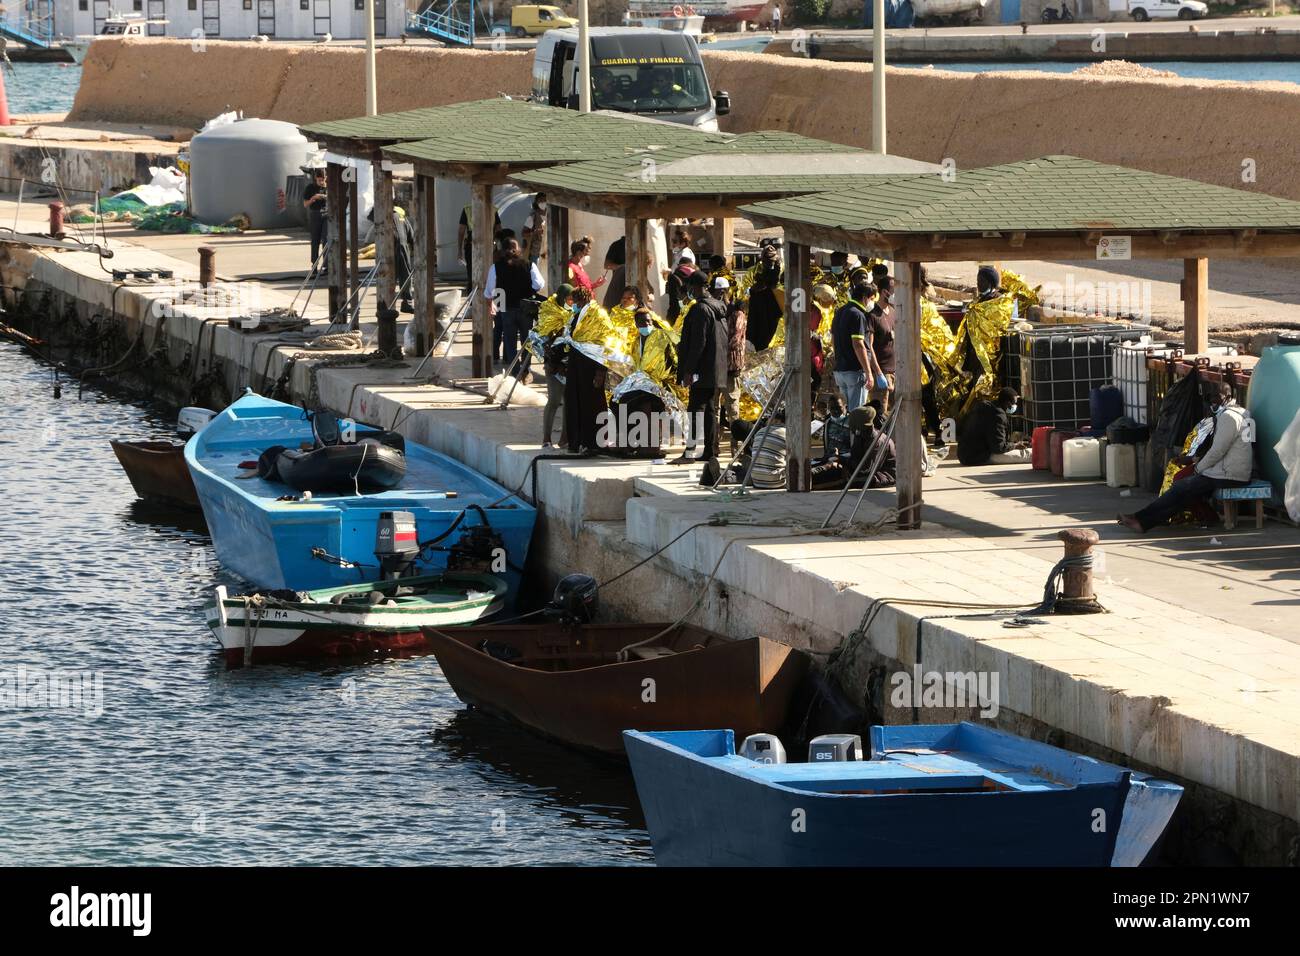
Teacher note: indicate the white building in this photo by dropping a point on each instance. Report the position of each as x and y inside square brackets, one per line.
[237, 19]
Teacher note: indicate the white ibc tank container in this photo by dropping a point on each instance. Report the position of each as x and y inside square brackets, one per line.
[1121, 466]
[1081, 458]
[241, 168]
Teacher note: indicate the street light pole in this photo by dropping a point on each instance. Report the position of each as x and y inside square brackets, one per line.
[372, 95]
[878, 76]
[584, 57]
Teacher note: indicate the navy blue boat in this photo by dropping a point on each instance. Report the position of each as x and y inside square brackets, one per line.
[929, 795]
[273, 536]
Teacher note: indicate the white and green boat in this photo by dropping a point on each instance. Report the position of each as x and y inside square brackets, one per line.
[378, 617]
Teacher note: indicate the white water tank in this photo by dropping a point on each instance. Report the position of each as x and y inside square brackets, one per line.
[240, 168]
[1121, 466]
[1081, 458]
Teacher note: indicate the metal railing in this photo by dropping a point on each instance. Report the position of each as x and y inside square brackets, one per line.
[448, 20]
[30, 22]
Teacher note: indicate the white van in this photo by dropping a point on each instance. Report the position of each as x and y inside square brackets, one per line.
[1143, 10]
[634, 70]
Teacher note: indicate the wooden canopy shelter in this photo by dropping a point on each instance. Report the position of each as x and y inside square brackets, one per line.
[1055, 207]
[720, 181]
[487, 151]
[364, 138]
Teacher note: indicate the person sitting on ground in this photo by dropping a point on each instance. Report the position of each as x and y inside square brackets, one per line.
[867, 443]
[984, 437]
[1226, 463]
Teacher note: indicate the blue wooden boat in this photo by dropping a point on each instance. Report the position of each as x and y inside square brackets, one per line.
[274, 537]
[929, 795]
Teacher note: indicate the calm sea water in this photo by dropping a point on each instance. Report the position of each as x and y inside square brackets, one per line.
[1285, 71]
[42, 87]
[192, 764]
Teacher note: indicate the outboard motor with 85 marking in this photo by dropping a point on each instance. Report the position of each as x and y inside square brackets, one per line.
[397, 544]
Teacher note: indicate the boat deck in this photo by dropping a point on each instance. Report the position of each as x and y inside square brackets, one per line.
[910, 771]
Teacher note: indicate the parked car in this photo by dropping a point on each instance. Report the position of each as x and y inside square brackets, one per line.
[533, 19]
[1143, 10]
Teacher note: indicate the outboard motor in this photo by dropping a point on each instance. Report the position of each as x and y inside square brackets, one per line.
[834, 747]
[396, 544]
[763, 748]
[192, 419]
[576, 598]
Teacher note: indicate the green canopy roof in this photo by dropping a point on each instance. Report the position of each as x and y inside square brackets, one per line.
[1049, 194]
[557, 136]
[386, 128]
[750, 164]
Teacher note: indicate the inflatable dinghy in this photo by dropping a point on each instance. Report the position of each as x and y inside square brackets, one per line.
[369, 464]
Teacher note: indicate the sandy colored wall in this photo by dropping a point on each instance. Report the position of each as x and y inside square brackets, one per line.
[1199, 129]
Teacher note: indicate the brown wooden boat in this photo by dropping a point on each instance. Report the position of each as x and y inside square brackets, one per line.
[573, 684]
[158, 471]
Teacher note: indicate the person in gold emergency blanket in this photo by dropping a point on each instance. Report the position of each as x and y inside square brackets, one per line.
[650, 388]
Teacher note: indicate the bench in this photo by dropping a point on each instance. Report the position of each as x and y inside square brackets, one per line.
[1257, 491]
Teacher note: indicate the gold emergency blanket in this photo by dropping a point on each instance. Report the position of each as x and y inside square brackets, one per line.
[552, 316]
[1015, 286]
[1203, 429]
[595, 335]
[938, 343]
[759, 380]
[982, 327]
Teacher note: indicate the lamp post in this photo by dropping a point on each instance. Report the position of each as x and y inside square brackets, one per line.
[878, 76]
[584, 58]
[372, 95]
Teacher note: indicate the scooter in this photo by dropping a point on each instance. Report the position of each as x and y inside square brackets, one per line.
[1051, 15]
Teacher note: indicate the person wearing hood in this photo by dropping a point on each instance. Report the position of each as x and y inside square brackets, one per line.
[766, 296]
[702, 365]
[984, 437]
[1227, 462]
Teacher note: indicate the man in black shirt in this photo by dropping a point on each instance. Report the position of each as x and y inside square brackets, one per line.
[853, 358]
[702, 365]
[313, 198]
[880, 339]
[984, 438]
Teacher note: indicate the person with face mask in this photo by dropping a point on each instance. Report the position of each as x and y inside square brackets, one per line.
[535, 231]
[1227, 462]
[579, 257]
[854, 362]
[984, 435]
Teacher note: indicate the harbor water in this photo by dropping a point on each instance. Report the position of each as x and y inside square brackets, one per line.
[42, 87]
[171, 759]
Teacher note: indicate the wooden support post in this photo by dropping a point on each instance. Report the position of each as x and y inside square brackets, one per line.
[428, 256]
[354, 243]
[420, 264]
[337, 262]
[908, 438]
[385, 260]
[557, 245]
[722, 236]
[482, 214]
[638, 255]
[1196, 312]
[798, 360]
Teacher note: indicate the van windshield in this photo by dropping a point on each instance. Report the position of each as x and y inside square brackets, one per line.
[655, 74]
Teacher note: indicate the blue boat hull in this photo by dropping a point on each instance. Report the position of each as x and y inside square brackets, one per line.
[700, 812]
[271, 543]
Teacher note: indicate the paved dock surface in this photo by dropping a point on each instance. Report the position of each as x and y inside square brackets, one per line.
[1193, 671]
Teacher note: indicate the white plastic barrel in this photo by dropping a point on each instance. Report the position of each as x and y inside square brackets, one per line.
[1081, 458]
[1121, 466]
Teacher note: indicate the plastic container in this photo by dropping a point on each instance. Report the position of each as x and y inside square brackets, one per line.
[1274, 402]
[241, 168]
[1039, 449]
[1105, 404]
[1081, 459]
[1056, 456]
[1060, 365]
[1121, 466]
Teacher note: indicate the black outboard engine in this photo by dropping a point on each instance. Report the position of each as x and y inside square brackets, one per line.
[396, 544]
[576, 599]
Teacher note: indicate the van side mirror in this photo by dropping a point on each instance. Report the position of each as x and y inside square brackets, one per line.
[722, 102]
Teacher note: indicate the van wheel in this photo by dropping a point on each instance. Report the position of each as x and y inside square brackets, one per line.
[1140, 15]
[521, 32]
[1184, 14]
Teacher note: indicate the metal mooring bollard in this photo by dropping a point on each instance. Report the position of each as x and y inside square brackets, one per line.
[207, 266]
[56, 220]
[1077, 596]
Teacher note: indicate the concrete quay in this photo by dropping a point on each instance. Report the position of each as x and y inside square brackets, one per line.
[1194, 672]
